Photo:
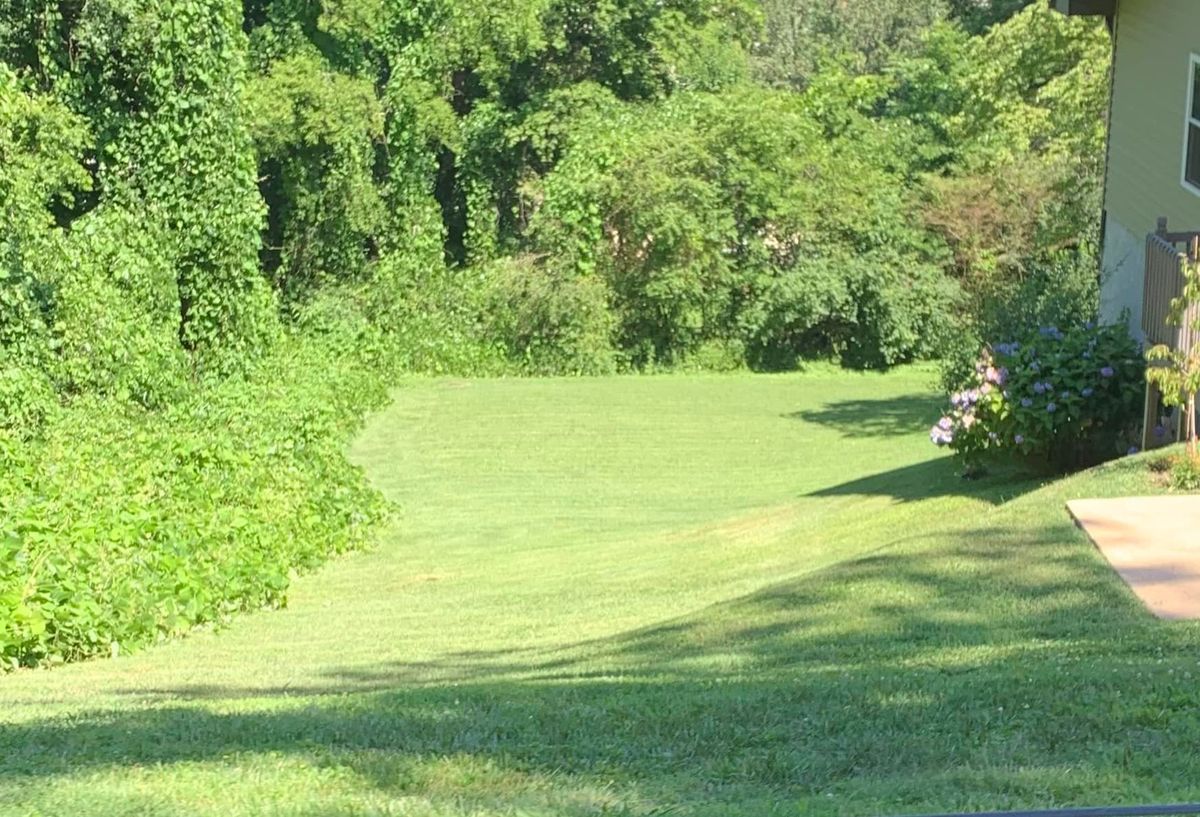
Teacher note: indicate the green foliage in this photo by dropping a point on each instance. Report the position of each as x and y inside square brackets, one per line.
[978, 15]
[736, 217]
[1180, 471]
[40, 147]
[1052, 398]
[40, 144]
[548, 321]
[93, 310]
[1016, 137]
[1063, 290]
[1185, 473]
[164, 84]
[123, 527]
[115, 310]
[1177, 371]
[803, 36]
[316, 131]
[427, 318]
[1012, 159]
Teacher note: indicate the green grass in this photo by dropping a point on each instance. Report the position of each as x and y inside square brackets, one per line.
[683, 595]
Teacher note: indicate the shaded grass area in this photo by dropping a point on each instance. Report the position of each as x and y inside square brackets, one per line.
[649, 596]
[891, 416]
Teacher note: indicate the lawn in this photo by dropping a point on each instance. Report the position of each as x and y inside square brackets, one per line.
[709, 595]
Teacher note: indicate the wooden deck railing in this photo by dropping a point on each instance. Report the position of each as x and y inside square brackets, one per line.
[1166, 253]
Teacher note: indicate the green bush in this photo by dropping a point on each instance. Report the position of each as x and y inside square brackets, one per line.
[1053, 398]
[27, 398]
[1181, 471]
[430, 317]
[550, 322]
[124, 526]
[316, 132]
[716, 356]
[1060, 290]
[115, 310]
[739, 217]
[866, 312]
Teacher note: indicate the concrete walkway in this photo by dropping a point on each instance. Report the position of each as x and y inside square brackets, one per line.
[1154, 543]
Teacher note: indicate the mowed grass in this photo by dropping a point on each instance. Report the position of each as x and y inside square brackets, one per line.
[683, 595]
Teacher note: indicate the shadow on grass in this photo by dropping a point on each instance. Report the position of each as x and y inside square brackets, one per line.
[989, 667]
[939, 477]
[894, 417]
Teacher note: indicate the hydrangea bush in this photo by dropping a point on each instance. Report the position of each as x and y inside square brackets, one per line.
[1060, 399]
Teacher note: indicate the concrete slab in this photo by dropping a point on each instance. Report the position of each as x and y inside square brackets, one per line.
[1153, 543]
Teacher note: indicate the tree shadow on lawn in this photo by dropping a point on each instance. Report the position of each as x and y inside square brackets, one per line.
[1001, 667]
[941, 476]
[893, 417]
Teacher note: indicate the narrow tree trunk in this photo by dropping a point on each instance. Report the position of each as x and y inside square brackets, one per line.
[1191, 425]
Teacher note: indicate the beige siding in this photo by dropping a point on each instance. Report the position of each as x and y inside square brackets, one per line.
[1155, 40]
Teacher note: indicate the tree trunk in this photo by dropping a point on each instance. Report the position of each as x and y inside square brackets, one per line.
[1191, 425]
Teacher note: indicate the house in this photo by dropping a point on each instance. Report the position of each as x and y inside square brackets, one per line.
[1152, 182]
[1153, 168]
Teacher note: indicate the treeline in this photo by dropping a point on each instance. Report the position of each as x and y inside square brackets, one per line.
[226, 226]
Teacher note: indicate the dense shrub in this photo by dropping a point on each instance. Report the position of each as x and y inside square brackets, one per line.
[316, 132]
[163, 85]
[1012, 149]
[115, 310]
[429, 318]
[40, 145]
[801, 35]
[1061, 290]
[1052, 398]
[736, 217]
[123, 526]
[866, 312]
[549, 322]
[1185, 472]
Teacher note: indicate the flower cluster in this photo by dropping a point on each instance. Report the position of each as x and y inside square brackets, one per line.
[1065, 398]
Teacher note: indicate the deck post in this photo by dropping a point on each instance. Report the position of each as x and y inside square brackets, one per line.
[1149, 416]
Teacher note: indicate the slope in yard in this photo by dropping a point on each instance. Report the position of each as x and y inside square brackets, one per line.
[694, 595]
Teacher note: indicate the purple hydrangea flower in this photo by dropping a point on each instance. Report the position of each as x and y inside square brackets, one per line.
[1066, 395]
[1039, 388]
[1019, 439]
[1088, 392]
[1051, 407]
[1026, 402]
[1035, 367]
[1107, 371]
[945, 424]
[941, 436]
[1160, 431]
